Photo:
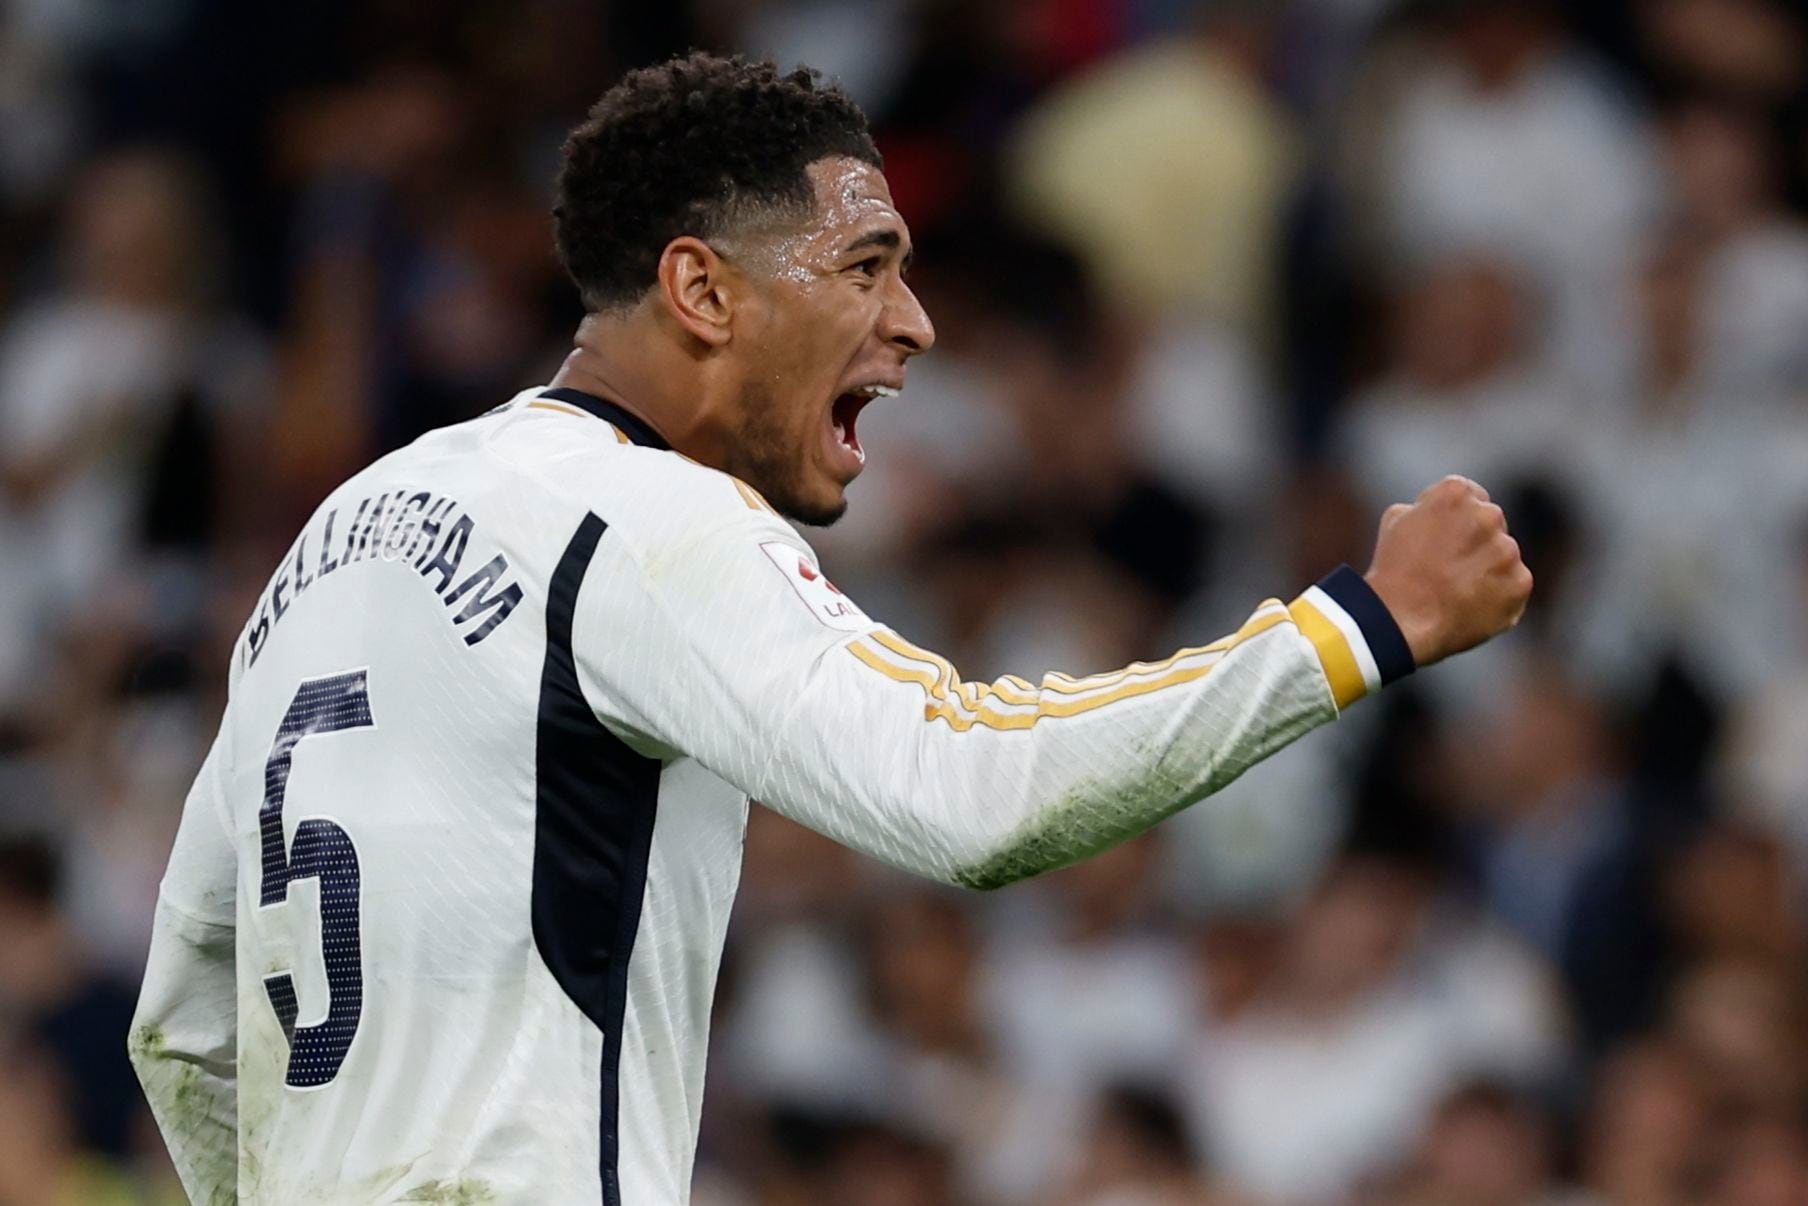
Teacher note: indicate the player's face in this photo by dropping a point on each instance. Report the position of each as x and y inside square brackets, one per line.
[829, 331]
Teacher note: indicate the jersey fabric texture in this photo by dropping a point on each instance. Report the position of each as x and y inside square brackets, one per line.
[444, 913]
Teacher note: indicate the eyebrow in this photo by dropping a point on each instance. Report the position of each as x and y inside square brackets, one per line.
[889, 239]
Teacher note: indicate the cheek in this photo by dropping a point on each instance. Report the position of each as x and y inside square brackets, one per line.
[824, 348]
[803, 344]
[807, 353]
[840, 312]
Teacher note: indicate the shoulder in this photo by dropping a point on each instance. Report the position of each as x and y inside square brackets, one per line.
[666, 506]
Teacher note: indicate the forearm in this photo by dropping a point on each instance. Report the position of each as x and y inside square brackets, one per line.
[984, 784]
[183, 1045]
[1158, 756]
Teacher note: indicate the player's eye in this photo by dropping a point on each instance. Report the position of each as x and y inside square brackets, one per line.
[869, 266]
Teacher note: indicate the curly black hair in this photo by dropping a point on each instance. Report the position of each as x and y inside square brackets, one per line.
[687, 147]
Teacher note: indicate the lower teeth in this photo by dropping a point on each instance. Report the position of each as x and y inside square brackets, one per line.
[841, 434]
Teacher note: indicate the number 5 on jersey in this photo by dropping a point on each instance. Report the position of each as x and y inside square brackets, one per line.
[323, 851]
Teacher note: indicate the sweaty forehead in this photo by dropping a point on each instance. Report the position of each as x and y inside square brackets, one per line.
[852, 198]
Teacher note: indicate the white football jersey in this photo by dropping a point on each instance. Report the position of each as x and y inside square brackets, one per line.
[444, 914]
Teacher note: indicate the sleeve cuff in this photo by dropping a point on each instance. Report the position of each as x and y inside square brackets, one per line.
[1358, 643]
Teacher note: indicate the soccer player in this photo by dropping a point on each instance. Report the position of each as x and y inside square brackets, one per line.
[444, 913]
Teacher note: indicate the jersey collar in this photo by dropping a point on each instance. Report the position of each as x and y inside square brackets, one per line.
[631, 425]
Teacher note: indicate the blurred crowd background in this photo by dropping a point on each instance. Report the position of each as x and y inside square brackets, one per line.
[1215, 283]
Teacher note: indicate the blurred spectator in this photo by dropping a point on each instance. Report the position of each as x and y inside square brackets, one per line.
[795, 1023]
[41, 1160]
[864, 45]
[1464, 394]
[1093, 989]
[1745, 343]
[1555, 844]
[943, 1073]
[1086, 987]
[417, 279]
[1743, 47]
[40, 104]
[1686, 488]
[1762, 767]
[74, 1016]
[1372, 1016]
[1741, 1021]
[879, 1166]
[1731, 892]
[1646, 1136]
[1484, 1146]
[125, 399]
[1169, 168]
[1765, 1163]
[1139, 1155]
[1494, 131]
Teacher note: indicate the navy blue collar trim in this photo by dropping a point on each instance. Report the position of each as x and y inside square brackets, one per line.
[632, 425]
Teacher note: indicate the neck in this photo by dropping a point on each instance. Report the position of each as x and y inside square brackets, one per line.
[659, 383]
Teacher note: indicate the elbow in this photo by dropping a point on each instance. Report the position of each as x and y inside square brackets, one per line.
[984, 883]
[1007, 866]
[1024, 852]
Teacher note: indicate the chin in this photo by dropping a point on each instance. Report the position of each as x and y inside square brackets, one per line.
[800, 492]
[813, 514]
[816, 507]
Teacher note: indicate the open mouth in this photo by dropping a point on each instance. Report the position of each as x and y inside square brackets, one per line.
[845, 414]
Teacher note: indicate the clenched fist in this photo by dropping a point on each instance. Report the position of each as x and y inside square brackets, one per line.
[1448, 571]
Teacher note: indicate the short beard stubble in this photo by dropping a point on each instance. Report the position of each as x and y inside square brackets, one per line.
[771, 460]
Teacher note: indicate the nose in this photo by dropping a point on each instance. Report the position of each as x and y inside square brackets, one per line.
[905, 324]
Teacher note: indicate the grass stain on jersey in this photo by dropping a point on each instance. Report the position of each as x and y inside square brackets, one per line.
[1092, 818]
[468, 1192]
[190, 1106]
[147, 1042]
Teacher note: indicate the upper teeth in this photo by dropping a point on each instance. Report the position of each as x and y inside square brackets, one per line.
[877, 391]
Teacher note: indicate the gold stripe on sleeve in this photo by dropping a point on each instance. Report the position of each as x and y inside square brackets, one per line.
[1334, 652]
[964, 704]
[1266, 617]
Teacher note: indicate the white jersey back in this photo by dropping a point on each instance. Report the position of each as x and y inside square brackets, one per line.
[443, 918]
[449, 873]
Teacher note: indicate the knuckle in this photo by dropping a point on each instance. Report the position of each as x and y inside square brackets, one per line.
[1442, 490]
[1456, 486]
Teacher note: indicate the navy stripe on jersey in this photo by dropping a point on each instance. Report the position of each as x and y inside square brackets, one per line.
[593, 831]
[631, 424]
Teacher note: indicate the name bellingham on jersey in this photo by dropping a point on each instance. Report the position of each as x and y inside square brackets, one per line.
[423, 531]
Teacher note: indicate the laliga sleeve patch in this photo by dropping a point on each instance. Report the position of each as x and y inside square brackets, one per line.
[825, 601]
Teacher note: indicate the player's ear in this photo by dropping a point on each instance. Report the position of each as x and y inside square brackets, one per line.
[695, 285]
